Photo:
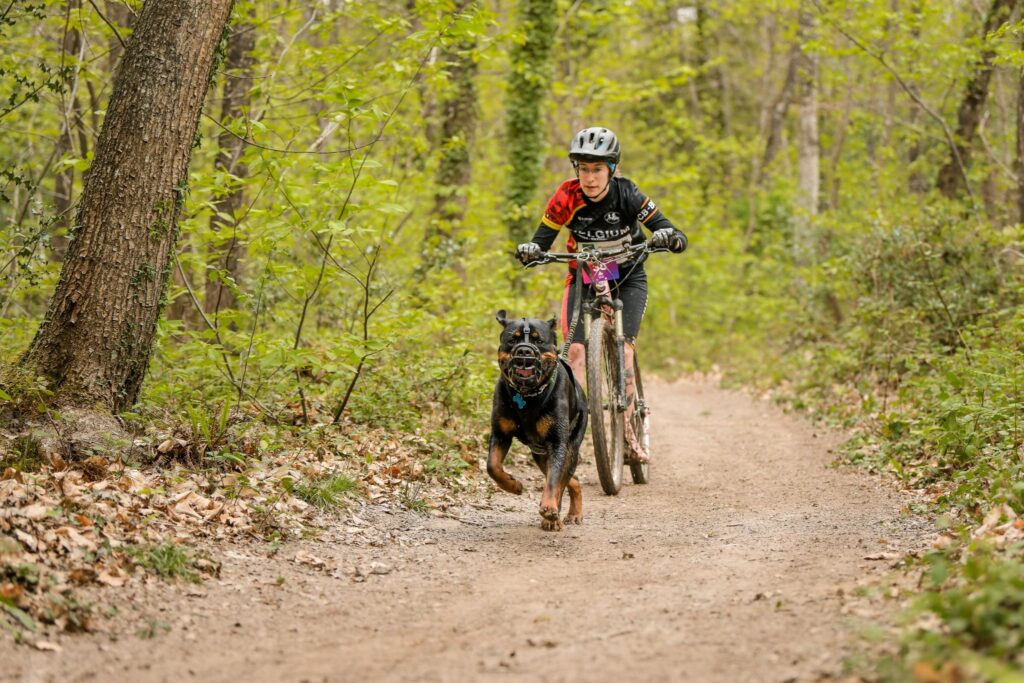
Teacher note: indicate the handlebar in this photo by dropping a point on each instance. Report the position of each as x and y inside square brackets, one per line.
[595, 256]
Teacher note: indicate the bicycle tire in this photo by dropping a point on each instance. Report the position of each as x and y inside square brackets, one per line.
[607, 427]
[641, 424]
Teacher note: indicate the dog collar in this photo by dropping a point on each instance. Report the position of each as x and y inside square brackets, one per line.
[519, 398]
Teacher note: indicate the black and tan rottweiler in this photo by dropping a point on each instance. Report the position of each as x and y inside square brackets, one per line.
[538, 401]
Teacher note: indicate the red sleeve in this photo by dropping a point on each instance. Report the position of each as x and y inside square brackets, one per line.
[563, 205]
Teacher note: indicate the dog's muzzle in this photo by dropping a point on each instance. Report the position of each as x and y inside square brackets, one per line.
[525, 361]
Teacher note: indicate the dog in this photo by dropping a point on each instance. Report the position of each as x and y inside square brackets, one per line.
[539, 402]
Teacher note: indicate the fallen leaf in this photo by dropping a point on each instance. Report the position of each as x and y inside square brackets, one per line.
[111, 577]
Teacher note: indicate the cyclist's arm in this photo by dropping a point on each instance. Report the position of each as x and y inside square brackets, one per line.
[559, 210]
[544, 236]
[648, 214]
[659, 222]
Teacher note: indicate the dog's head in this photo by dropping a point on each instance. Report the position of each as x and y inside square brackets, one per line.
[528, 351]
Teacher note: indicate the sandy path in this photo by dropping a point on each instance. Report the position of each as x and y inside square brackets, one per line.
[725, 568]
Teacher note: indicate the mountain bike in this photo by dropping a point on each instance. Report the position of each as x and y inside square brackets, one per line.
[608, 403]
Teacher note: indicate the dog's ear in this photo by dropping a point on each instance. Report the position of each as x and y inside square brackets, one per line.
[554, 324]
[500, 317]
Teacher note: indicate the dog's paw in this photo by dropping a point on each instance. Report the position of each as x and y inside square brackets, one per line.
[551, 524]
[573, 519]
[517, 487]
[549, 512]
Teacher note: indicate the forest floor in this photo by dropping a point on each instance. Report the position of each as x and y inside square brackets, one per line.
[749, 557]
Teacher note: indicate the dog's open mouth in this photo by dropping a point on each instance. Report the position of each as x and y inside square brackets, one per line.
[525, 361]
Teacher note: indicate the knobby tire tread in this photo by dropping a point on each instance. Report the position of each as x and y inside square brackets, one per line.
[608, 446]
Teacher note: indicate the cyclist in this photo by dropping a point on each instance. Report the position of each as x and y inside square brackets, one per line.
[601, 209]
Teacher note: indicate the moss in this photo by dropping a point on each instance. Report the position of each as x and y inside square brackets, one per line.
[25, 454]
[21, 390]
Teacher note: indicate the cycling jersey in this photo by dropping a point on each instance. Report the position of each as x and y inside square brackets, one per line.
[617, 216]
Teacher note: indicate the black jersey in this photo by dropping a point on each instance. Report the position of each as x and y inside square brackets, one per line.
[617, 216]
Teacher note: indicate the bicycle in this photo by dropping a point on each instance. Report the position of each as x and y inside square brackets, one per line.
[605, 362]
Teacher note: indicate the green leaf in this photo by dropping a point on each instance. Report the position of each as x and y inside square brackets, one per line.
[20, 615]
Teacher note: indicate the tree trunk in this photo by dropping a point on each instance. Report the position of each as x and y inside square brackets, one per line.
[779, 108]
[458, 107]
[226, 262]
[64, 183]
[808, 148]
[527, 87]
[1020, 146]
[96, 339]
[951, 176]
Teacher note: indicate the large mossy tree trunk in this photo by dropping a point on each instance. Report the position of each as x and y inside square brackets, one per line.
[528, 86]
[458, 114]
[96, 339]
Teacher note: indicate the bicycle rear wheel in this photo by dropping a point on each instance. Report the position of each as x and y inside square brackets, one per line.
[640, 423]
[606, 420]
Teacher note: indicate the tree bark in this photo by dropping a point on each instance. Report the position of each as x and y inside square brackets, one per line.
[951, 176]
[63, 189]
[227, 262]
[779, 108]
[96, 339]
[458, 105]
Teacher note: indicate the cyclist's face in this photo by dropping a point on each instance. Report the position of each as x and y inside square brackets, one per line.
[594, 177]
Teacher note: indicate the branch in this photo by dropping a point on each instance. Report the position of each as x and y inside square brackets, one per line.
[910, 91]
[253, 143]
[992, 153]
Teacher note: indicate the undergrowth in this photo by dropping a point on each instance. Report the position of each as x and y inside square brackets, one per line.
[923, 364]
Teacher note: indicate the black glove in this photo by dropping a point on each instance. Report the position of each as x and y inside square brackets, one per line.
[667, 238]
[528, 251]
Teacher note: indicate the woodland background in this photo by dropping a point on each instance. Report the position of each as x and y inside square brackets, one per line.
[849, 173]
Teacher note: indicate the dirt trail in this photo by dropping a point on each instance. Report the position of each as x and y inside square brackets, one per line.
[727, 567]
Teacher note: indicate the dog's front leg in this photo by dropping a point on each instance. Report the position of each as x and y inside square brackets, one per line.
[556, 478]
[501, 441]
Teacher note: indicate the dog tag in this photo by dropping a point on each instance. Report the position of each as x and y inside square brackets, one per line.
[607, 271]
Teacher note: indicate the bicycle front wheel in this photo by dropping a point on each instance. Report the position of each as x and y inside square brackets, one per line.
[606, 420]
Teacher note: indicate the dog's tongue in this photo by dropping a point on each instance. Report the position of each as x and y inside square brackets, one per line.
[524, 372]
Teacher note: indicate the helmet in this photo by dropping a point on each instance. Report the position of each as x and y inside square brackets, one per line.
[595, 144]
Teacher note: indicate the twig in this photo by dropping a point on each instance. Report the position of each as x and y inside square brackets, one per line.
[107, 22]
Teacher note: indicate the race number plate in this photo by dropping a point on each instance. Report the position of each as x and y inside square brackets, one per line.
[607, 271]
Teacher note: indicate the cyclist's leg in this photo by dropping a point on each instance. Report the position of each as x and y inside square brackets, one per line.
[577, 361]
[633, 293]
[577, 351]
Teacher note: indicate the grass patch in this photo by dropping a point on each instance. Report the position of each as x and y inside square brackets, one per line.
[167, 560]
[328, 493]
